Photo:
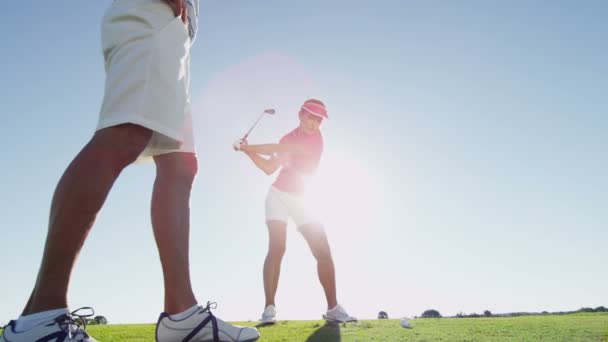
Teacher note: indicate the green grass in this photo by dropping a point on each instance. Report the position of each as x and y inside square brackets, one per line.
[587, 327]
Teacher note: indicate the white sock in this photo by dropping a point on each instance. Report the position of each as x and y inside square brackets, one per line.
[27, 322]
[334, 308]
[188, 312]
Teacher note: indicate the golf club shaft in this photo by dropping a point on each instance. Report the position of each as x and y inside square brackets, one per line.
[252, 126]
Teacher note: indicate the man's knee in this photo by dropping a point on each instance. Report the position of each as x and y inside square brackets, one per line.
[177, 167]
[124, 142]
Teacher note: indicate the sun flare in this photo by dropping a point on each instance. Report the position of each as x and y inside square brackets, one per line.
[345, 193]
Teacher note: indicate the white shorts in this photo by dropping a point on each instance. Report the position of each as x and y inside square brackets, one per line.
[281, 205]
[147, 61]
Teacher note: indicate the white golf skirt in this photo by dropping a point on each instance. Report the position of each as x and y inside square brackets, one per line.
[147, 62]
[281, 205]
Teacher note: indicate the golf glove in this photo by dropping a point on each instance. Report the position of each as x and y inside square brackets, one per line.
[237, 144]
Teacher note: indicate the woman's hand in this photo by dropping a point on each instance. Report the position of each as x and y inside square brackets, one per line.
[240, 145]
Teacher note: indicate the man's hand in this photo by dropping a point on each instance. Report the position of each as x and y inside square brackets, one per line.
[179, 8]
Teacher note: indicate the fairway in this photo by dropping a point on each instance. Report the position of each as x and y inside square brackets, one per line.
[586, 327]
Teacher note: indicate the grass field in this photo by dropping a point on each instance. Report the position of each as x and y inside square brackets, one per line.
[587, 327]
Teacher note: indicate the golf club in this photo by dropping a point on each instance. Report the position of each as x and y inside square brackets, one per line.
[269, 111]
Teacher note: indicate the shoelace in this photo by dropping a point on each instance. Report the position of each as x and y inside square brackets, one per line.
[208, 307]
[210, 318]
[73, 319]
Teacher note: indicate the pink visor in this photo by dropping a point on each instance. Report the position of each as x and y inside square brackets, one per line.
[315, 109]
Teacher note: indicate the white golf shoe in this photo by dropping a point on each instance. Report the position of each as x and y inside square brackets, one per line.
[202, 326]
[269, 316]
[339, 314]
[64, 328]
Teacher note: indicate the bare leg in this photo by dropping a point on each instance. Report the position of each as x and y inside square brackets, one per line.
[277, 236]
[175, 173]
[319, 246]
[78, 198]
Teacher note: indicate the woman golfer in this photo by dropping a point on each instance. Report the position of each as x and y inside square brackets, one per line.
[298, 154]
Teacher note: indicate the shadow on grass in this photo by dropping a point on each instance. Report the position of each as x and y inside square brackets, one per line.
[330, 332]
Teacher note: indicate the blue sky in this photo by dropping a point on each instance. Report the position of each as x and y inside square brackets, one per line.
[464, 170]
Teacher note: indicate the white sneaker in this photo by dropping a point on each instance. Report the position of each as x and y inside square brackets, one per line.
[202, 326]
[269, 316]
[338, 314]
[63, 328]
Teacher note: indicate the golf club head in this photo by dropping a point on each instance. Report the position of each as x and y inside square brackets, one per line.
[270, 111]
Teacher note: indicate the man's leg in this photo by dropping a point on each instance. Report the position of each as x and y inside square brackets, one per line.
[317, 241]
[78, 198]
[277, 236]
[175, 173]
